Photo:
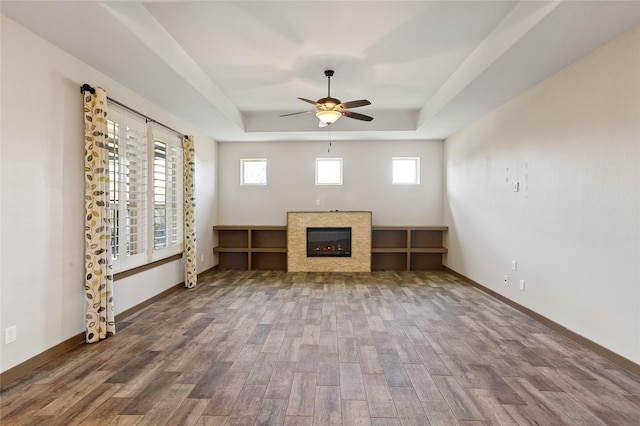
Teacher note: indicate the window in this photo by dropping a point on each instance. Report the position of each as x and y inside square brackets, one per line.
[328, 171]
[145, 188]
[128, 159]
[406, 170]
[167, 194]
[253, 171]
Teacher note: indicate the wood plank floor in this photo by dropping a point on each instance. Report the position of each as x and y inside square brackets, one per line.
[275, 348]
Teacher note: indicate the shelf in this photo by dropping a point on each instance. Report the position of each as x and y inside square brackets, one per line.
[421, 238]
[233, 238]
[268, 250]
[251, 247]
[271, 261]
[401, 248]
[388, 250]
[425, 261]
[393, 248]
[388, 238]
[231, 249]
[233, 261]
[409, 228]
[269, 238]
[389, 261]
[429, 250]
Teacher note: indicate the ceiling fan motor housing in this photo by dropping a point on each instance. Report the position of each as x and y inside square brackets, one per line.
[328, 103]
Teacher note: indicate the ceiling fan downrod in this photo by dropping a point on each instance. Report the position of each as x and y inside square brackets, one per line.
[328, 74]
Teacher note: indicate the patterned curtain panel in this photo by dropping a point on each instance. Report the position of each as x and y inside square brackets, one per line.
[191, 276]
[98, 285]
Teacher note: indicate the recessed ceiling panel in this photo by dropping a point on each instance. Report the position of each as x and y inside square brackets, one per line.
[231, 68]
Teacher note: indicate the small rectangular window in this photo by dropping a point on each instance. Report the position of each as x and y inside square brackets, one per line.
[328, 171]
[253, 171]
[406, 170]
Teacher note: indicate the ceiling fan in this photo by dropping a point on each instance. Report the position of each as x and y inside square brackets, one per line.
[329, 110]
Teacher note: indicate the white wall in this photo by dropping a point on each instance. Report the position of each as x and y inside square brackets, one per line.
[41, 199]
[367, 182]
[573, 143]
[206, 201]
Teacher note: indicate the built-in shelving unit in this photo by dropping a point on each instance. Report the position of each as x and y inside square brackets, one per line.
[395, 248]
[252, 247]
[402, 248]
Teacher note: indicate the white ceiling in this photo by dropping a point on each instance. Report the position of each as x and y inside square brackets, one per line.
[233, 67]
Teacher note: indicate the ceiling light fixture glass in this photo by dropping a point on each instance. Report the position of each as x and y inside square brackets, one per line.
[328, 117]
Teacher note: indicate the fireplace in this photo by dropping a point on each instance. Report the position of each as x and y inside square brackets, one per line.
[328, 242]
[358, 261]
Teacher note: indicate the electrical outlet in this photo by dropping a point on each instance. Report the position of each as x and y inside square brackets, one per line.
[514, 265]
[10, 334]
[506, 280]
[516, 187]
[202, 258]
[522, 285]
[317, 202]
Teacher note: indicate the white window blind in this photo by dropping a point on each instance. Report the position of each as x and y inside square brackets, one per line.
[128, 189]
[159, 194]
[145, 178]
[176, 227]
[136, 171]
[167, 194]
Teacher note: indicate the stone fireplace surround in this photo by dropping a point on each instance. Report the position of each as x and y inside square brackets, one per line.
[360, 224]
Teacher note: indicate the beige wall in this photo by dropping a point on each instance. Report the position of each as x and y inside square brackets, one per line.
[42, 245]
[573, 144]
[367, 182]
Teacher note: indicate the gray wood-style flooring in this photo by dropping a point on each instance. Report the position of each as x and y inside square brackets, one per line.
[275, 348]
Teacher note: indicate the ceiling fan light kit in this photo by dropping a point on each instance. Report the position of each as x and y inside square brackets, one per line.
[328, 117]
[329, 109]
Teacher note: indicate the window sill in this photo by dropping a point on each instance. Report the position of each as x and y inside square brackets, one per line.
[146, 267]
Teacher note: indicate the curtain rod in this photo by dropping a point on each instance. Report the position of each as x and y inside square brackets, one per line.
[87, 88]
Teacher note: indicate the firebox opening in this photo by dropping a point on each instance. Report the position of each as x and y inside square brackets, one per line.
[328, 242]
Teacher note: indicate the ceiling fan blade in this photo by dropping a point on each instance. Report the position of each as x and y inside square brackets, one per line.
[308, 101]
[357, 116]
[295, 113]
[355, 104]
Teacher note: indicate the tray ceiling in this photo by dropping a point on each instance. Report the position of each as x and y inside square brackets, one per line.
[233, 67]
